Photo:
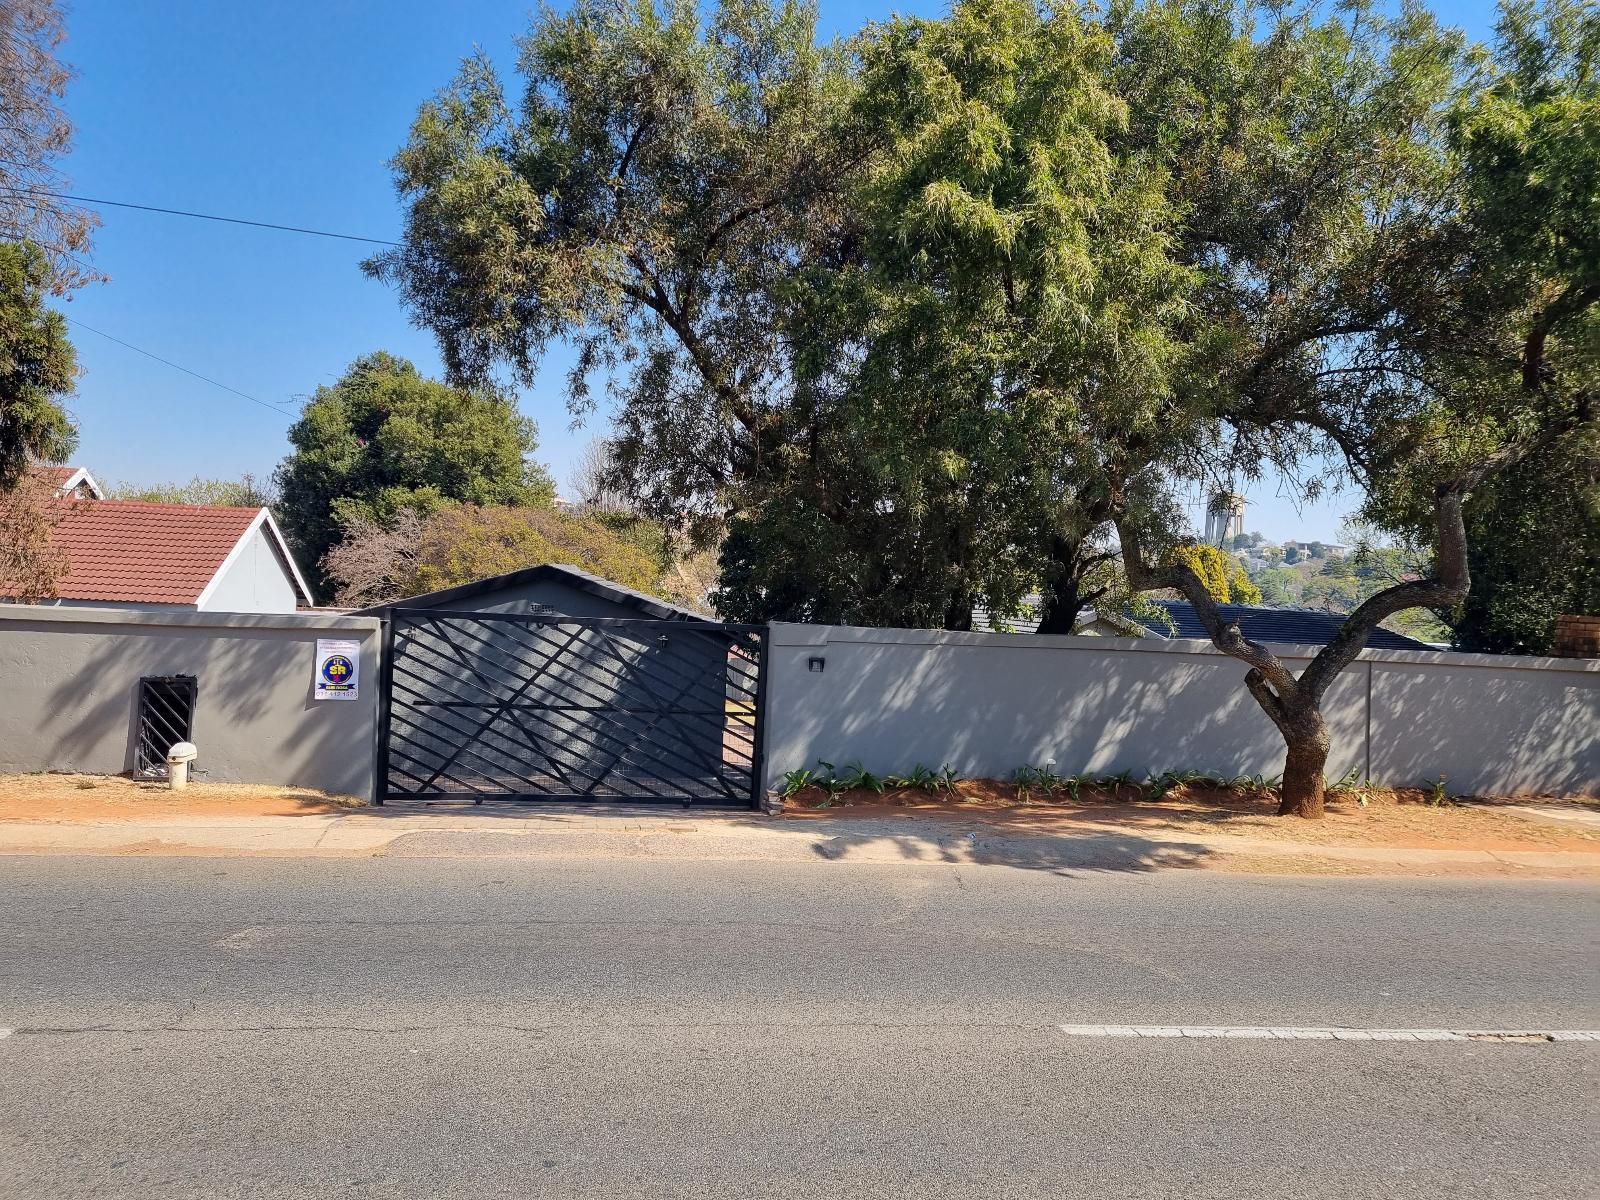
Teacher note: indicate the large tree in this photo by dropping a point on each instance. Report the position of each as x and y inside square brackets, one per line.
[999, 325]
[34, 135]
[1430, 321]
[385, 438]
[645, 201]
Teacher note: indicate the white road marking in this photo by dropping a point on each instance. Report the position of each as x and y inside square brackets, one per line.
[1331, 1033]
[5, 1033]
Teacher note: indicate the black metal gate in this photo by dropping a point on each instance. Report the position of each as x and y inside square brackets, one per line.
[511, 706]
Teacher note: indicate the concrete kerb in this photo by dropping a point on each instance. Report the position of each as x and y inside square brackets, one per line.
[568, 834]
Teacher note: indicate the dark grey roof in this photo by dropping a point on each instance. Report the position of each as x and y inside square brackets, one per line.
[1296, 626]
[651, 607]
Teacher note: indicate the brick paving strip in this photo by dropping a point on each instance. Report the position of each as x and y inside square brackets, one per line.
[1332, 1033]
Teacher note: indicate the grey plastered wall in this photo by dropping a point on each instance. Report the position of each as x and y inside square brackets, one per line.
[987, 703]
[69, 687]
[1491, 724]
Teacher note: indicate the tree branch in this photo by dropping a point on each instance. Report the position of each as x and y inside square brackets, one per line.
[1225, 635]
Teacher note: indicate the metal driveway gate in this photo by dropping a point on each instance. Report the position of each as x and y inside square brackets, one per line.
[511, 706]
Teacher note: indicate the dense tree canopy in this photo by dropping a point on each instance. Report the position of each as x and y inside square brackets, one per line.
[385, 438]
[646, 200]
[37, 366]
[377, 561]
[1000, 320]
[1533, 547]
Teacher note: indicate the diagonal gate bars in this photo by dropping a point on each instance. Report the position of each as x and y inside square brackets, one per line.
[512, 706]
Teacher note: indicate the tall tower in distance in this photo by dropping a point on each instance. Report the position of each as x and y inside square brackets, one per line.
[1224, 518]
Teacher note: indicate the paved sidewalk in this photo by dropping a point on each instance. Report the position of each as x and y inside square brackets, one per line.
[566, 833]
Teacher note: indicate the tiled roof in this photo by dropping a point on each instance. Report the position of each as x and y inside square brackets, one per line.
[57, 475]
[1295, 626]
[150, 553]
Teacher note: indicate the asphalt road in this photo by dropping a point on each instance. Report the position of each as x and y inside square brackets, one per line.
[215, 1027]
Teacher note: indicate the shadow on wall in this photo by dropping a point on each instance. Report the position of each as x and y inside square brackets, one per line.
[1487, 731]
[255, 719]
[986, 710]
[1065, 855]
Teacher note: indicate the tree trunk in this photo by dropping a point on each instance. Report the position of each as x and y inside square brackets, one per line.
[1303, 782]
[958, 614]
[1062, 593]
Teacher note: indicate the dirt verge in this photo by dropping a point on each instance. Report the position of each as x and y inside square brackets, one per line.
[1392, 818]
[74, 798]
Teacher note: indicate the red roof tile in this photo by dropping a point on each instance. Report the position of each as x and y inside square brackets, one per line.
[151, 553]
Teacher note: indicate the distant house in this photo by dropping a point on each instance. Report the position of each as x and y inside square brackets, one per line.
[1289, 626]
[72, 481]
[129, 554]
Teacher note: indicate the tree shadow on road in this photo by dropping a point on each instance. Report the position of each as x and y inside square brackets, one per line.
[1063, 855]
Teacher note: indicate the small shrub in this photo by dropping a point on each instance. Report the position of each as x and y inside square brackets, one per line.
[1030, 779]
[921, 776]
[795, 782]
[857, 776]
[1157, 786]
[1352, 785]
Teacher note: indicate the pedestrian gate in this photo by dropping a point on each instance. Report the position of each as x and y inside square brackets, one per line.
[512, 706]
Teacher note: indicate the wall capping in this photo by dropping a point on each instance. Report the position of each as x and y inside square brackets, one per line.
[50, 614]
[788, 634]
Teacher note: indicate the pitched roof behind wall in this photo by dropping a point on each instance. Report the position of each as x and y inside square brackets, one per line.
[133, 552]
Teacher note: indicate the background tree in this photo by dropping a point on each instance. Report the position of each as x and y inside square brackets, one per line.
[30, 563]
[646, 201]
[407, 554]
[1533, 547]
[594, 478]
[244, 492]
[1219, 572]
[37, 367]
[34, 134]
[384, 438]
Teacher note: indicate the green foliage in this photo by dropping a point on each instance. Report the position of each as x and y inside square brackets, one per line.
[37, 366]
[797, 781]
[461, 543]
[857, 776]
[1533, 546]
[244, 492]
[646, 200]
[384, 438]
[1030, 779]
[1437, 796]
[1351, 784]
[925, 778]
[1221, 573]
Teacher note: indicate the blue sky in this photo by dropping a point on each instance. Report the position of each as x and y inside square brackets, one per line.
[289, 113]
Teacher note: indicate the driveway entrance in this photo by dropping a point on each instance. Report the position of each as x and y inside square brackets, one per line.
[519, 707]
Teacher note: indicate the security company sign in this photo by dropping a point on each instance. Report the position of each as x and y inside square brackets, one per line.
[338, 669]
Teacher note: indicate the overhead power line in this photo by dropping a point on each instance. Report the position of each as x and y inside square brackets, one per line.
[178, 212]
[178, 367]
